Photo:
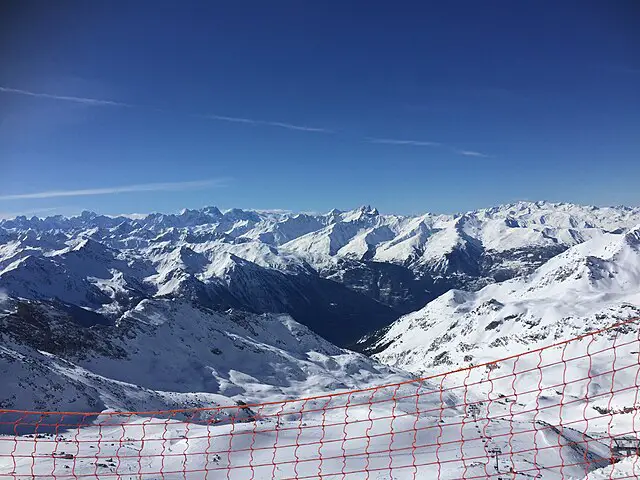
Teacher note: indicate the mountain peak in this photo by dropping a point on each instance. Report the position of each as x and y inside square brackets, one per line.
[360, 213]
[632, 237]
[368, 210]
[86, 243]
[212, 211]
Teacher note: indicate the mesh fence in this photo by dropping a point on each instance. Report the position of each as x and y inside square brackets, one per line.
[566, 411]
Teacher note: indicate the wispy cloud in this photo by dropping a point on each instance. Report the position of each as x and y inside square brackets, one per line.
[144, 187]
[272, 210]
[110, 103]
[298, 127]
[416, 143]
[471, 153]
[225, 118]
[420, 143]
[132, 216]
[83, 100]
[251, 121]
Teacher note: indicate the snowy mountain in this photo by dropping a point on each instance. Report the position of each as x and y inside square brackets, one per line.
[343, 274]
[163, 354]
[587, 287]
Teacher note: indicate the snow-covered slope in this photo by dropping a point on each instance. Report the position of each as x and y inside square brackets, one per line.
[587, 287]
[343, 274]
[163, 354]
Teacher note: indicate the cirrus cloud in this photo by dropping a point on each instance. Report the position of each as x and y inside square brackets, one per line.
[143, 187]
[241, 120]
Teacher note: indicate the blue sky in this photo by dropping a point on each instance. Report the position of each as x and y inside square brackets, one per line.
[123, 107]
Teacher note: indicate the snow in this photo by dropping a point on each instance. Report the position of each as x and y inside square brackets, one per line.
[626, 468]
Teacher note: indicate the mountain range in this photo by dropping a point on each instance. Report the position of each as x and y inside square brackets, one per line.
[207, 307]
[343, 274]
